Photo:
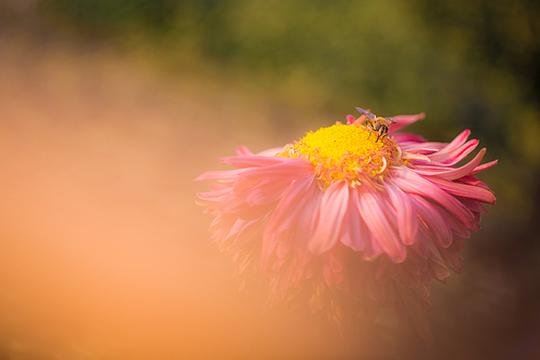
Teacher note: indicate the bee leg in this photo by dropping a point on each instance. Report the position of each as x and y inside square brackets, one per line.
[383, 132]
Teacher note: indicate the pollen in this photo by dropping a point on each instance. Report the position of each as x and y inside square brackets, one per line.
[352, 153]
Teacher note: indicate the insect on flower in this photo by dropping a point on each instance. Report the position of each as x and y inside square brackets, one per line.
[378, 124]
[340, 210]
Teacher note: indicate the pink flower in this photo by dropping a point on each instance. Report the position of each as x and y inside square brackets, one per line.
[356, 207]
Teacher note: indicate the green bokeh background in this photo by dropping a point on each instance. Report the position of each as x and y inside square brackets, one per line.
[467, 64]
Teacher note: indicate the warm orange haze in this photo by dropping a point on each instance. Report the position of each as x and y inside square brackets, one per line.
[104, 252]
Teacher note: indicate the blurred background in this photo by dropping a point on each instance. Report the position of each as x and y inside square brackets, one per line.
[110, 108]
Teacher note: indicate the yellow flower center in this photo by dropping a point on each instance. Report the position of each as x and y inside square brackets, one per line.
[346, 152]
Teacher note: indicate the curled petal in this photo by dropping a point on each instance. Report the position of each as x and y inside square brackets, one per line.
[457, 142]
[413, 183]
[449, 173]
[485, 166]
[467, 191]
[400, 121]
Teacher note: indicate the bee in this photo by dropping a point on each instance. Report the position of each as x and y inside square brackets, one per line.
[375, 123]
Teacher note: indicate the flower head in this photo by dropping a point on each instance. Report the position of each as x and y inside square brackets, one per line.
[343, 152]
[355, 206]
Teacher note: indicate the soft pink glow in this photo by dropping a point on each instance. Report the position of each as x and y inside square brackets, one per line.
[272, 213]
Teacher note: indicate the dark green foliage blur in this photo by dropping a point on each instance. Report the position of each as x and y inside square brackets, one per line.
[475, 61]
[465, 63]
[471, 64]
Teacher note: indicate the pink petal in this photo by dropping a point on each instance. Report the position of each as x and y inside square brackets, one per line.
[400, 121]
[239, 227]
[262, 192]
[474, 205]
[291, 203]
[271, 152]
[220, 175]
[472, 180]
[408, 138]
[287, 168]
[484, 166]
[243, 151]
[244, 161]
[421, 147]
[453, 256]
[467, 191]
[215, 196]
[411, 182]
[457, 142]
[356, 234]
[405, 216]
[332, 211]
[460, 154]
[381, 229]
[414, 156]
[435, 223]
[359, 237]
[456, 173]
[455, 155]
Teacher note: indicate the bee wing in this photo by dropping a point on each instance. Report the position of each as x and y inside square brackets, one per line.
[368, 113]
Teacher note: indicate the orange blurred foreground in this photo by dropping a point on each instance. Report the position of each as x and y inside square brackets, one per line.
[104, 254]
